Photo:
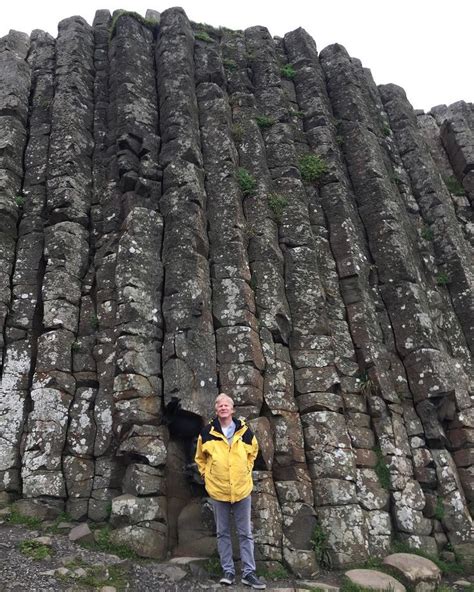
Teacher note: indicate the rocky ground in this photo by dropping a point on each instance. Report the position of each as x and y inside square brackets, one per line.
[44, 559]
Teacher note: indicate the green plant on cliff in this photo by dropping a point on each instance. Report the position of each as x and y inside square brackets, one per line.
[20, 200]
[319, 542]
[366, 384]
[237, 132]
[203, 36]
[454, 186]
[230, 65]
[16, 517]
[439, 509]
[386, 130]
[427, 233]
[287, 71]
[381, 469]
[151, 24]
[312, 167]
[246, 182]
[446, 567]
[277, 204]
[442, 279]
[264, 122]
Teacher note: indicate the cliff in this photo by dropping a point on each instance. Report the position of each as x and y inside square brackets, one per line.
[187, 210]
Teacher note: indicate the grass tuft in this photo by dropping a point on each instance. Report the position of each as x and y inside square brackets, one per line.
[312, 168]
[246, 182]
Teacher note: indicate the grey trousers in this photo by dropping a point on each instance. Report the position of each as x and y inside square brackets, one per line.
[241, 511]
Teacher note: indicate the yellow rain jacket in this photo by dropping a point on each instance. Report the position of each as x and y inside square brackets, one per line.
[227, 470]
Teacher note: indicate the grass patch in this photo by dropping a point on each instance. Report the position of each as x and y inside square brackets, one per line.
[103, 543]
[16, 517]
[246, 182]
[264, 122]
[151, 24]
[98, 576]
[442, 279]
[381, 469]
[446, 567]
[35, 550]
[287, 71]
[277, 204]
[230, 65]
[294, 113]
[312, 168]
[277, 573]
[427, 233]
[366, 384]
[64, 516]
[213, 566]
[319, 542]
[386, 130]
[20, 200]
[454, 186]
[203, 36]
[439, 509]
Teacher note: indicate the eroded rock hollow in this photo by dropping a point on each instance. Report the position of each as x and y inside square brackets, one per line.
[186, 210]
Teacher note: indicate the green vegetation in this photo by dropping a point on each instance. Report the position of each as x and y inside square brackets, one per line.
[75, 346]
[20, 201]
[16, 517]
[64, 516]
[294, 113]
[366, 384]
[213, 566]
[237, 133]
[277, 204]
[246, 182]
[446, 567]
[230, 65]
[439, 509]
[94, 321]
[312, 168]
[386, 130]
[454, 186]
[427, 233]
[203, 36]
[348, 586]
[103, 543]
[319, 542]
[279, 572]
[151, 24]
[35, 550]
[97, 576]
[381, 469]
[287, 71]
[264, 122]
[442, 279]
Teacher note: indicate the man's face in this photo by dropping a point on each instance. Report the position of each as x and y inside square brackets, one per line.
[224, 408]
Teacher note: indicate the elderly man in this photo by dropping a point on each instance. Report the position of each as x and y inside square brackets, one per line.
[225, 455]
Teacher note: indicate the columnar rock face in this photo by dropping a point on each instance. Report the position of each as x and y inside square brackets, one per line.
[188, 210]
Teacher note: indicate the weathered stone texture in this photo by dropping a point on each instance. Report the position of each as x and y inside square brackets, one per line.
[160, 238]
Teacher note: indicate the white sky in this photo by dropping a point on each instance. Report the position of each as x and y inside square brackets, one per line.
[425, 46]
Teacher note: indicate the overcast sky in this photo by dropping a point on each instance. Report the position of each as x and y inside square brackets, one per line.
[425, 46]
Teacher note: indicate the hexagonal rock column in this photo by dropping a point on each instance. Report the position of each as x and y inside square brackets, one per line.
[421, 574]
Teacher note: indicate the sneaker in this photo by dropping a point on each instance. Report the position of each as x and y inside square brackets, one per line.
[252, 580]
[227, 579]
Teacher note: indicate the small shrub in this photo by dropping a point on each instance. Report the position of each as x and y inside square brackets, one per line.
[246, 182]
[381, 469]
[442, 279]
[386, 130]
[75, 347]
[287, 71]
[237, 133]
[427, 233]
[213, 566]
[20, 201]
[35, 550]
[439, 509]
[16, 517]
[203, 36]
[366, 384]
[277, 204]
[312, 168]
[264, 122]
[230, 65]
[319, 542]
[454, 186]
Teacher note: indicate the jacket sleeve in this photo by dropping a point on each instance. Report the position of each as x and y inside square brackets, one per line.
[200, 457]
[252, 454]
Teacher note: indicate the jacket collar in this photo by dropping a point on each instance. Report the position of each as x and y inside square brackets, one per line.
[217, 426]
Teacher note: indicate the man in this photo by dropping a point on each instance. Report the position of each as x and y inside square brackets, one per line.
[225, 455]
